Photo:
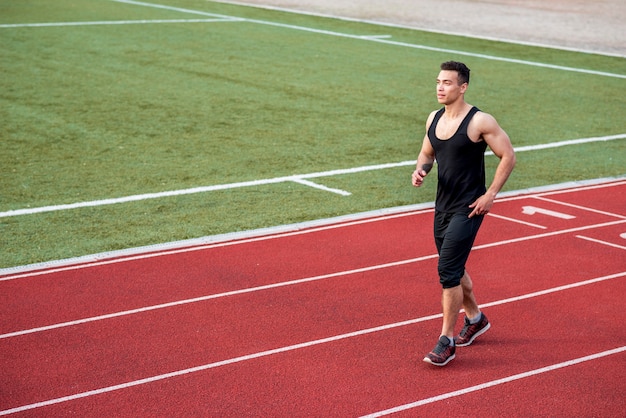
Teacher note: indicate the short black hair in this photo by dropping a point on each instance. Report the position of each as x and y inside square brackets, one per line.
[460, 68]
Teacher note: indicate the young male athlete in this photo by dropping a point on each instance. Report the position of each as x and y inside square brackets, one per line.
[457, 136]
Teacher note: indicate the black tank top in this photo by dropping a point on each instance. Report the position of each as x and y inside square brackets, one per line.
[460, 166]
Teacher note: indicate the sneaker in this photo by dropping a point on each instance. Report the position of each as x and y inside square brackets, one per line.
[442, 353]
[470, 331]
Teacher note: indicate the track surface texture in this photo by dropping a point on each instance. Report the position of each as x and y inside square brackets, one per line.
[331, 320]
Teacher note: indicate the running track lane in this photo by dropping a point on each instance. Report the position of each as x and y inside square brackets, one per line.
[349, 303]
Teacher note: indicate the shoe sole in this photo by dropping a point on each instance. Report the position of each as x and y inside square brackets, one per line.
[427, 360]
[478, 334]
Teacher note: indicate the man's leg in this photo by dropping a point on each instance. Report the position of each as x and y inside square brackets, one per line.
[451, 301]
[475, 322]
[469, 300]
[454, 237]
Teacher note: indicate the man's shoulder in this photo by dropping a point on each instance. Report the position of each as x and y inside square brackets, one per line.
[483, 119]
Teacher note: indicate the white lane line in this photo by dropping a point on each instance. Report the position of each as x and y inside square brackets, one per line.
[142, 256]
[506, 218]
[214, 296]
[585, 208]
[547, 234]
[299, 346]
[497, 382]
[597, 241]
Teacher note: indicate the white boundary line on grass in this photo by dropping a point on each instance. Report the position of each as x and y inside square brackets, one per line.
[380, 39]
[296, 178]
[339, 337]
[115, 22]
[385, 41]
[418, 28]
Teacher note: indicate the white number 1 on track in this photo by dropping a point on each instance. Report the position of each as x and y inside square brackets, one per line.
[531, 210]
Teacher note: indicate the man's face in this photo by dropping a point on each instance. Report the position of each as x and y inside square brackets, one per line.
[448, 88]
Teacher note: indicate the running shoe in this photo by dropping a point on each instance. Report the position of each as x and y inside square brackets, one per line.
[442, 353]
[470, 331]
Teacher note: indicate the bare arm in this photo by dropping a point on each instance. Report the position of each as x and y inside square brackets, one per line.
[500, 144]
[425, 159]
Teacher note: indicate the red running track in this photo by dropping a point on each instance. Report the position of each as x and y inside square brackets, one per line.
[331, 321]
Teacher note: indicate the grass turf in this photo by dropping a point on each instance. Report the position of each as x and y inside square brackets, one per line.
[92, 112]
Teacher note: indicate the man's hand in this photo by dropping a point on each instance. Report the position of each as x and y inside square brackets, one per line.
[482, 205]
[418, 177]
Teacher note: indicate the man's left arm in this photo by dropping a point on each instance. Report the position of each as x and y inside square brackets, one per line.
[499, 142]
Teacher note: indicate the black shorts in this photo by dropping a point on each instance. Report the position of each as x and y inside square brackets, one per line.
[454, 238]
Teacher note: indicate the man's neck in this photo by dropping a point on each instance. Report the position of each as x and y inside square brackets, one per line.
[456, 109]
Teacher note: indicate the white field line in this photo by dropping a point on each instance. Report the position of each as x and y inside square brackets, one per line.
[116, 22]
[380, 39]
[421, 29]
[297, 178]
[296, 347]
[321, 187]
[497, 382]
[385, 41]
[264, 287]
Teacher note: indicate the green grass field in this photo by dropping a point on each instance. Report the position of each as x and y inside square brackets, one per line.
[103, 99]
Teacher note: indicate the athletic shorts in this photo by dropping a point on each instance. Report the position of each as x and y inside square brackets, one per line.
[454, 237]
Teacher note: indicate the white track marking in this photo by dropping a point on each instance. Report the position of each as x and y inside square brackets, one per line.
[585, 208]
[298, 178]
[318, 342]
[216, 296]
[562, 188]
[532, 210]
[610, 244]
[548, 234]
[497, 382]
[553, 290]
[269, 286]
[506, 218]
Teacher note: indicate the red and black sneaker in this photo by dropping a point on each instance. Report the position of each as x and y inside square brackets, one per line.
[442, 353]
[470, 331]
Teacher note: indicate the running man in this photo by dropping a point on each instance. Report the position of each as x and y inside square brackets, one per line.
[457, 136]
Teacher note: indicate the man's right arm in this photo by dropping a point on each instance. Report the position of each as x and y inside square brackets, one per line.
[426, 157]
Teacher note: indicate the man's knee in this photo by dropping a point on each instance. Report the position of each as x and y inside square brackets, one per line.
[449, 281]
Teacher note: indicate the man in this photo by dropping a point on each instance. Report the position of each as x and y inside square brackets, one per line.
[457, 136]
